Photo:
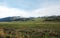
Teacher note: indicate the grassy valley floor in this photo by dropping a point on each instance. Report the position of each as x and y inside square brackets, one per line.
[30, 29]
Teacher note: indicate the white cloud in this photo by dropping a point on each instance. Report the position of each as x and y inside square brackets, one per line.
[46, 11]
[49, 10]
[5, 12]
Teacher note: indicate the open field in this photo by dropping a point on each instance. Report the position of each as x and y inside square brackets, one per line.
[30, 29]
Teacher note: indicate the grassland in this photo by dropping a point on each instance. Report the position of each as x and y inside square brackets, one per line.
[30, 29]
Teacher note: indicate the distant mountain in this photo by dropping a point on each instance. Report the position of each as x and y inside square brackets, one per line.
[15, 18]
[6, 19]
[52, 18]
[18, 18]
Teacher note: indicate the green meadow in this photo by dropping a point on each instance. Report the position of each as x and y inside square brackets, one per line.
[30, 29]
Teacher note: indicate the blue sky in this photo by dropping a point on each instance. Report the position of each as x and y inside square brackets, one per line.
[28, 8]
[23, 4]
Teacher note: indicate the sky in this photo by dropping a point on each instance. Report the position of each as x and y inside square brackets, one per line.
[29, 8]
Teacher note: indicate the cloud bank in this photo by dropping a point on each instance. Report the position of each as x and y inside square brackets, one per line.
[5, 12]
[46, 11]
